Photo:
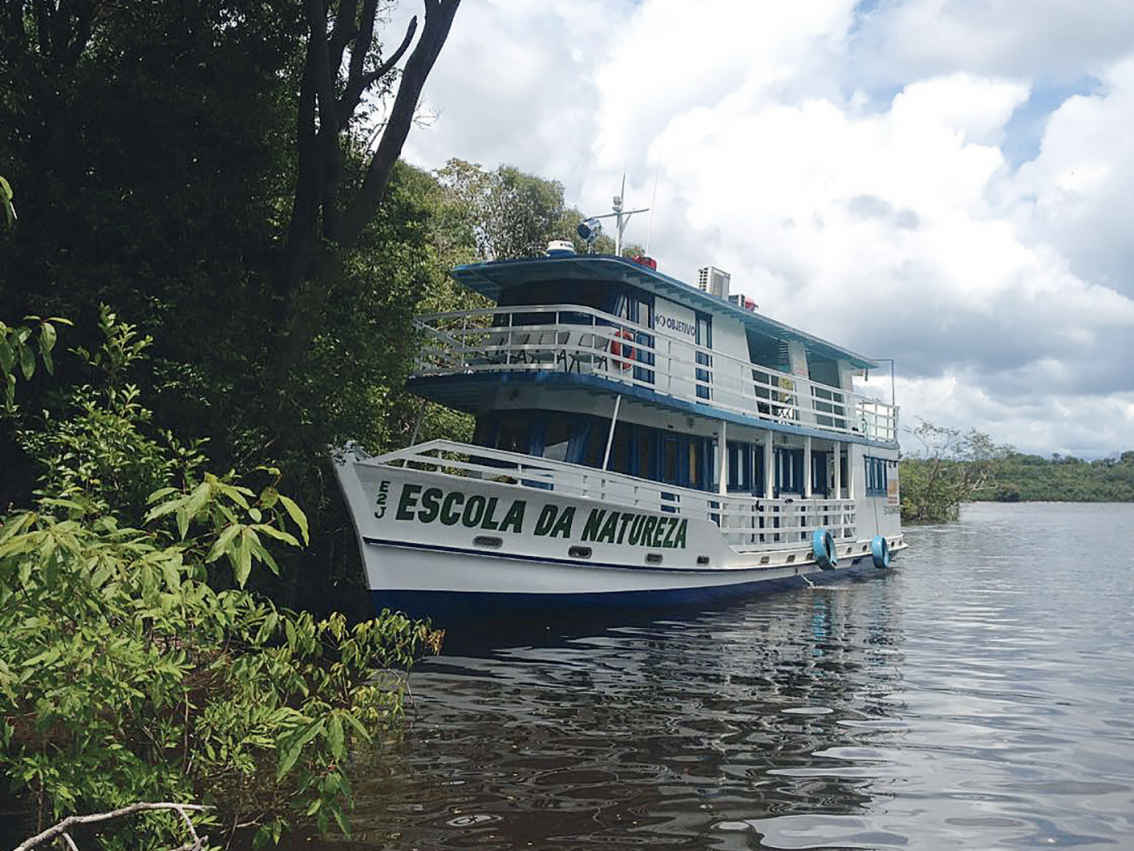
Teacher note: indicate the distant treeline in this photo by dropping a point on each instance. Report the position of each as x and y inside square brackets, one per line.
[1018, 477]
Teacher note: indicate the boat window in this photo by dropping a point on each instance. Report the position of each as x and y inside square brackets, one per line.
[647, 447]
[669, 460]
[513, 433]
[485, 433]
[789, 470]
[620, 451]
[819, 480]
[595, 444]
[739, 466]
[875, 476]
[557, 438]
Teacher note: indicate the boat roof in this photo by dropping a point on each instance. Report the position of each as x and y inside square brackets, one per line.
[492, 278]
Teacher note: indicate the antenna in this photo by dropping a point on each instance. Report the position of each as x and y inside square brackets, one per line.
[653, 203]
[621, 217]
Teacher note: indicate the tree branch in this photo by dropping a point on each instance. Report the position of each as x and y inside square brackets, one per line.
[62, 828]
[345, 29]
[357, 82]
[438, 19]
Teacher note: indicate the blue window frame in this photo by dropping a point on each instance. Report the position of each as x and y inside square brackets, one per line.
[789, 470]
[875, 476]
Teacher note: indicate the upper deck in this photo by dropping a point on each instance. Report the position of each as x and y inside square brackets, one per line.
[606, 323]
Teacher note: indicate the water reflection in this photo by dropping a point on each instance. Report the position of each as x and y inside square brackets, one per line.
[965, 700]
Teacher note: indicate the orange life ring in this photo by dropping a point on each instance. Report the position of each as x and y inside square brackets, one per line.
[622, 350]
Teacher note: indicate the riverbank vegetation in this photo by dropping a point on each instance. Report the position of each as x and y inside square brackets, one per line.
[945, 467]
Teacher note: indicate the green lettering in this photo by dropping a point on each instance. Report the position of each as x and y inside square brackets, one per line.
[626, 518]
[407, 501]
[514, 517]
[474, 510]
[564, 523]
[594, 520]
[430, 505]
[648, 531]
[545, 520]
[668, 542]
[448, 515]
[489, 522]
[679, 540]
[609, 528]
[663, 524]
[636, 529]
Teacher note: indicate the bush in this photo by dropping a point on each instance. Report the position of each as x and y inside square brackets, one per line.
[135, 666]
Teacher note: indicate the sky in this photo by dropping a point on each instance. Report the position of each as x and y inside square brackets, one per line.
[947, 183]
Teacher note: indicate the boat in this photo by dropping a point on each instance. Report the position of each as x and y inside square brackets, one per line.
[638, 440]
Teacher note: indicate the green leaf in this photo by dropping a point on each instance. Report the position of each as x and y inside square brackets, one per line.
[335, 737]
[158, 494]
[358, 728]
[172, 576]
[220, 546]
[297, 516]
[6, 356]
[242, 560]
[46, 338]
[273, 532]
[340, 820]
[27, 362]
[290, 754]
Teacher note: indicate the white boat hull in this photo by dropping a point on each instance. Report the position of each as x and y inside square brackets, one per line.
[425, 535]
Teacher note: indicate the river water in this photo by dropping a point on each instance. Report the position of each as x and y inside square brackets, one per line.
[980, 695]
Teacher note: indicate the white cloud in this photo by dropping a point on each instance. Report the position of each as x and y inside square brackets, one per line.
[892, 224]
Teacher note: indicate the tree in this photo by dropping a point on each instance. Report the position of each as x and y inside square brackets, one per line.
[951, 467]
[209, 169]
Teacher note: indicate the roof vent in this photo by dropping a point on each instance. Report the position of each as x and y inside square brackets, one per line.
[560, 248]
[714, 281]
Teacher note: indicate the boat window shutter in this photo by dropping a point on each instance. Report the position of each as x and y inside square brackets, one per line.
[537, 436]
[578, 445]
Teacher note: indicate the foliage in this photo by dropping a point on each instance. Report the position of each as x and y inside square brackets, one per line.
[133, 666]
[1021, 477]
[949, 468]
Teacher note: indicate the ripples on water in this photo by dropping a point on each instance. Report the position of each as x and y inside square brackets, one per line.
[979, 696]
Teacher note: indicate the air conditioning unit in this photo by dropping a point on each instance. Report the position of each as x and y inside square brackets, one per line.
[714, 281]
[741, 300]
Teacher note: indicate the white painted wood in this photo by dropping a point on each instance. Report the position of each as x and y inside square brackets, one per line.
[807, 467]
[769, 460]
[488, 340]
[723, 446]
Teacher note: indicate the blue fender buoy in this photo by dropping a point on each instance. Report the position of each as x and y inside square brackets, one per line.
[823, 548]
[880, 551]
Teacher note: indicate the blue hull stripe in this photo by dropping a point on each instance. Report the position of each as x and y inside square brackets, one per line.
[455, 605]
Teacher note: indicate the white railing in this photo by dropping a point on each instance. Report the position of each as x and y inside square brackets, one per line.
[747, 522]
[587, 341]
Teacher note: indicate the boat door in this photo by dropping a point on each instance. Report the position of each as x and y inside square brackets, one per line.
[642, 312]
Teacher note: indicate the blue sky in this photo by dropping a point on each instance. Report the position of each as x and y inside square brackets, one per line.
[945, 182]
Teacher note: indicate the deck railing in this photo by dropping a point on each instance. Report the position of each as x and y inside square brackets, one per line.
[747, 522]
[582, 340]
